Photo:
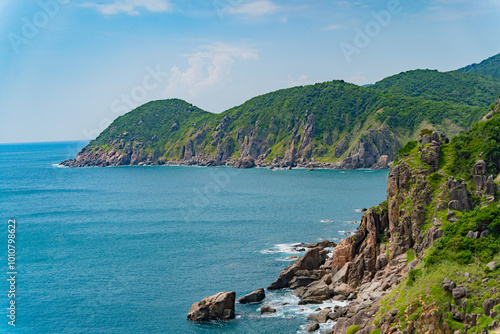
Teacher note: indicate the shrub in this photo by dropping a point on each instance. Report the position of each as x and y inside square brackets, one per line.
[353, 329]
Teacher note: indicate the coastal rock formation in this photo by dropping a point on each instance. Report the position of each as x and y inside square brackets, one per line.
[253, 297]
[219, 306]
[304, 266]
[375, 148]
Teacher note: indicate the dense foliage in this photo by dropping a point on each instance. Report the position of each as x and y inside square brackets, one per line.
[457, 87]
[489, 67]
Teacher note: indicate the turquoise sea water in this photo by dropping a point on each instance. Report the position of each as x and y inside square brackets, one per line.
[129, 249]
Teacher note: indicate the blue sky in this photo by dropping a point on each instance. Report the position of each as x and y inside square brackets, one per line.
[69, 67]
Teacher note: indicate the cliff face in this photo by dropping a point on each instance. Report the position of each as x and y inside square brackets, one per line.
[330, 125]
[427, 260]
[423, 202]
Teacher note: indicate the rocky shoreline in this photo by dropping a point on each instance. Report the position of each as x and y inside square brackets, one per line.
[116, 159]
[388, 247]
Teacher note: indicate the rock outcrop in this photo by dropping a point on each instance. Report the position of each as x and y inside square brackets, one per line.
[219, 306]
[253, 297]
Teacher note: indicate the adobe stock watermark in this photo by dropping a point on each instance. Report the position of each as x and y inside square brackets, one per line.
[127, 101]
[30, 27]
[221, 6]
[372, 29]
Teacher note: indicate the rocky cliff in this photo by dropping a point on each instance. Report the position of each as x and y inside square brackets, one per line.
[328, 125]
[425, 260]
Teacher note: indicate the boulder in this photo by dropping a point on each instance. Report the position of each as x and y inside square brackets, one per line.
[301, 281]
[343, 289]
[488, 305]
[318, 317]
[314, 327]
[247, 162]
[458, 293]
[318, 290]
[267, 309]
[448, 285]
[219, 306]
[492, 266]
[253, 297]
[458, 195]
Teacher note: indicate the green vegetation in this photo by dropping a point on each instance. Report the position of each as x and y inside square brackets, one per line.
[375, 331]
[489, 67]
[455, 256]
[456, 247]
[463, 88]
[353, 329]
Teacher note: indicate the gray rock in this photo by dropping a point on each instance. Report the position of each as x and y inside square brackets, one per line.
[219, 306]
[492, 266]
[458, 293]
[253, 297]
[458, 195]
[488, 305]
[484, 234]
[426, 140]
[314, 327]
[318, 317]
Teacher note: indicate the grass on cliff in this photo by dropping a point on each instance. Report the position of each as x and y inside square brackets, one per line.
[455, 256]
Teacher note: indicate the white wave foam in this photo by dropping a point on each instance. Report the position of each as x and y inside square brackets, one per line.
[287, 306]
[283, 248]
[326, 221]
[59, 166]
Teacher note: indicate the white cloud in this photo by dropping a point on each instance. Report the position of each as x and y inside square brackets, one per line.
[301, 81]
[358, 79]
[208, 68]
[333, 27]
[131, 7]
[255, 8]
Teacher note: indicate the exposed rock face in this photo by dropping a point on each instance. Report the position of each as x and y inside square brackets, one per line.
[247, 162]
[219, 306]
[360, 250]
[430, 154]
[370, 148]
[376, 148]
[479, 174]
[312, 260]
[458, 195]
[254, 297]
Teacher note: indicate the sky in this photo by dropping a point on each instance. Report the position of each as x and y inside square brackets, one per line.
[68, 68]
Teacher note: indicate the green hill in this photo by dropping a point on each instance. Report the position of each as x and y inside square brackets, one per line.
[332, 124]
[436, 240]
[457, 87]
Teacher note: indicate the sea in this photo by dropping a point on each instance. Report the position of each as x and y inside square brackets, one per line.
[129, 249]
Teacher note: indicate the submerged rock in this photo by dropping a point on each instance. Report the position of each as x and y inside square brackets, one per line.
[267, 309]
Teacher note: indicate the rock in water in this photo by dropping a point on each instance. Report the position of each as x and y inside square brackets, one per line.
[253, 297]
[267, 309]
[219, 306]
[312, 260]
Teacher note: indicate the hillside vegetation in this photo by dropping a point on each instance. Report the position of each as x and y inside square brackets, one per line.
[489, 67]
[332, 124]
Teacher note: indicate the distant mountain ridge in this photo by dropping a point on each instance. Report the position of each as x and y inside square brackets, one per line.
[489, 67]
[332, 124]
